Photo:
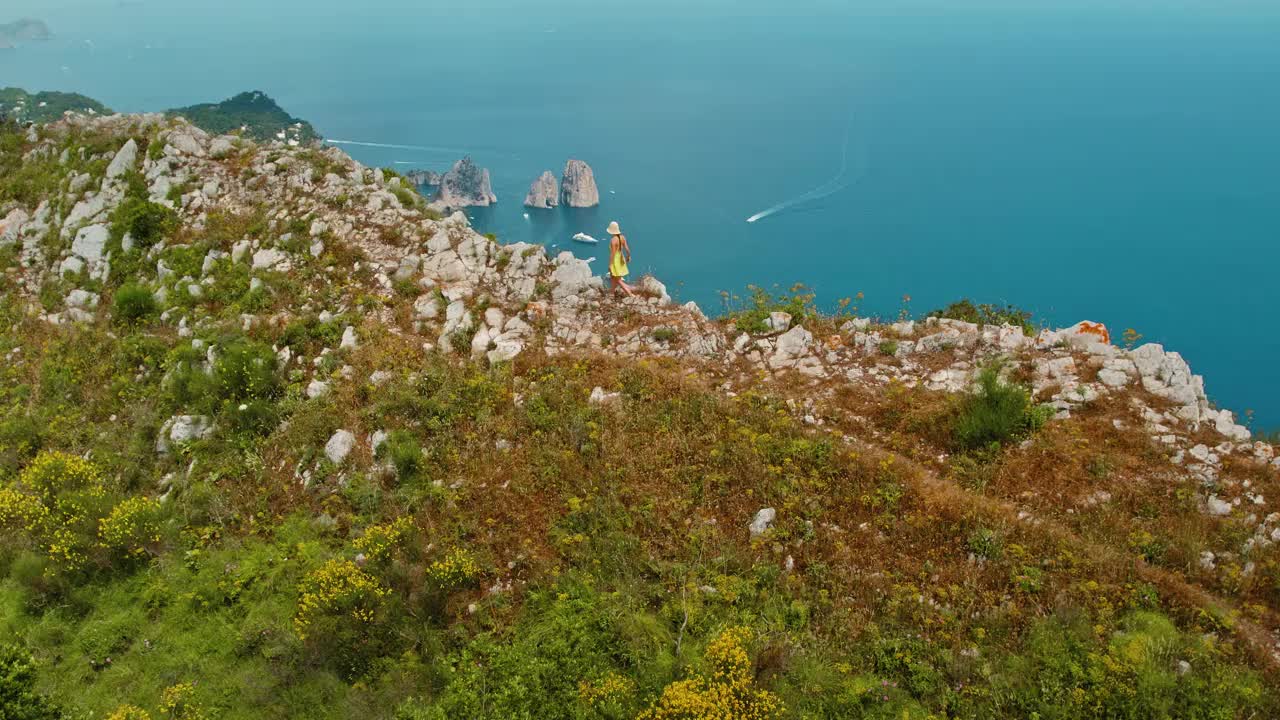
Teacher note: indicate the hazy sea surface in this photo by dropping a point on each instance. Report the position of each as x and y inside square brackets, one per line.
[1117, 161]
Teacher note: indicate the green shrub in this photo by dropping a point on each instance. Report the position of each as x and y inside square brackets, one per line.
[751, 316]
[20, 438]
[460, 339]
[1136, 672]
[987, 314]
[405, 288]
[242, 384]
[134, 303]
[408, 196]
[246, 370]
[309, 332]
[997, 413]
[405, 454]
[18, 697]
[665, 334]
[1027, 579]
[569, 634]
[146, 222]
[984, 543]
[254, 417]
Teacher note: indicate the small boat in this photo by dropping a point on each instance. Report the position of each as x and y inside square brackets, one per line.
[585, 238]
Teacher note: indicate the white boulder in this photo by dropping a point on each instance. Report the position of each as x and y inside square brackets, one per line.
[778, 321]
[339, 446]
[124, 161]
[763, 519]
[182, 429]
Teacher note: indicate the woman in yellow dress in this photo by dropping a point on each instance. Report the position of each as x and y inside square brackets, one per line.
[619, 256]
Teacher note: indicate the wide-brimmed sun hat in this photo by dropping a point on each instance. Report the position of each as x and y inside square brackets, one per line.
[614, 229]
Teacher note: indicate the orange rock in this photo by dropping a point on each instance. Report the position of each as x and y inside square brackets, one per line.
[835, 342]
[1093, 328]
[535, 309]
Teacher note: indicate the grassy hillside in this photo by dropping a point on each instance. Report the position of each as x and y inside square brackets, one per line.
[254, 472]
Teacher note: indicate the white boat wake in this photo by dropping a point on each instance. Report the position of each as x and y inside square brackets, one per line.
[585, 238]
[827, 189]
[393, 146]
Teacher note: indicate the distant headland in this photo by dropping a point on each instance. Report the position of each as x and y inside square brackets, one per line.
[18, 32]
[250, 114]
[43, 107]
[253, 114]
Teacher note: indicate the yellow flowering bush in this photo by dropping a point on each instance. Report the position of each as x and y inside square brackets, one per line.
[456, 569]
[57, 502]
[53, 475]
[131, 527]
[379, 541]
[22, 512]
[609, 696]
[129, 712]
[725, 691]
[178, 702]
[338, 590]
[66, 545]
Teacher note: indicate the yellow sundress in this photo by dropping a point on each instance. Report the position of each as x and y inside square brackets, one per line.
[618, 264]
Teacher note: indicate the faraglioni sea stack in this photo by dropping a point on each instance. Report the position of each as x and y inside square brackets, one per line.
[423, 177]
[578, 188]
[544, 192]
[466, 185]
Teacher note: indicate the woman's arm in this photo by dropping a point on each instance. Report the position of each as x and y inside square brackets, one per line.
[626, 248]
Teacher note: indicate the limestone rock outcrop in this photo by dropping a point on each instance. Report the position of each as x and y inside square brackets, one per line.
[466, 185]
[578, 186]
[544, 192]
[423, 177]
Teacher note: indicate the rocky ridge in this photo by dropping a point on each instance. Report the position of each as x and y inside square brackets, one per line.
[496, 302]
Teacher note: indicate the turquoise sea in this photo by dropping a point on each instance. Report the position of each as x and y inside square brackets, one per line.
[1112, 160]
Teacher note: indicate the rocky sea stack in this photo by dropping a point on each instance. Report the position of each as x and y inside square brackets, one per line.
[544, 192]
[578, 188]
[466, 185]
[423, 177]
